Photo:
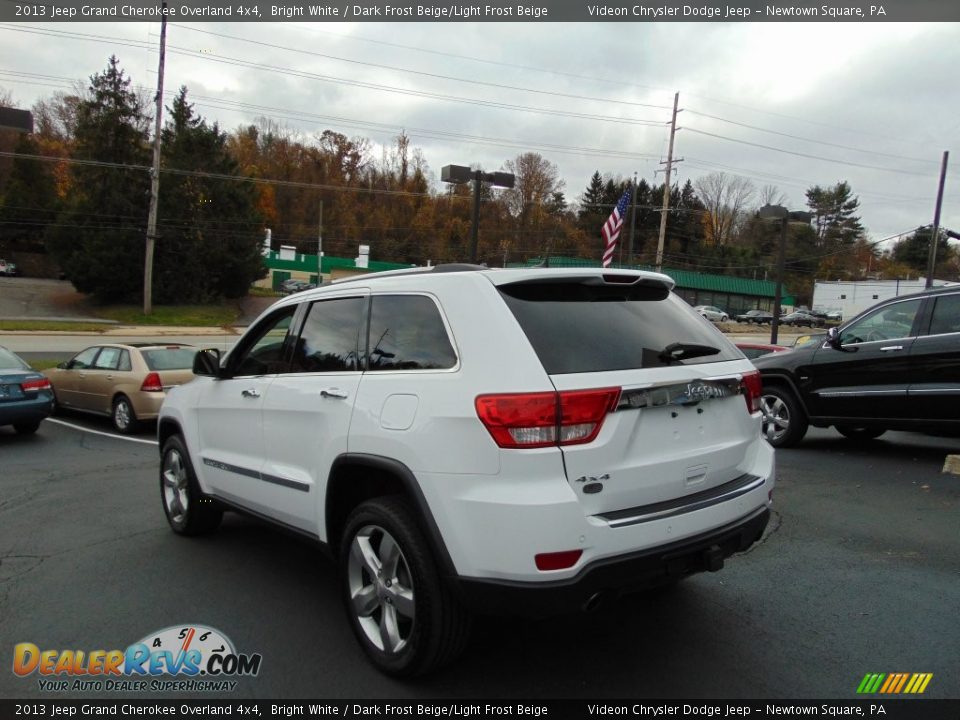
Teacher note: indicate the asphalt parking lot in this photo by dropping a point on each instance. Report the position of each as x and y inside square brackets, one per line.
[858, 573]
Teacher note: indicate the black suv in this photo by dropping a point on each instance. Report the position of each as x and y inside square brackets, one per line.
[895, 366]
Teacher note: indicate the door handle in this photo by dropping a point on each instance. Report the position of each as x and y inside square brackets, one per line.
[109, 377]
[334, 393]
[891, 348]
[252, 393]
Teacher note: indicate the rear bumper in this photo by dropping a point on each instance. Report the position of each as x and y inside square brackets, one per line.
[27, 410]
[614, 575]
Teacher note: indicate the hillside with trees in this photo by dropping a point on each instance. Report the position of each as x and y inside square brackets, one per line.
[77, 190]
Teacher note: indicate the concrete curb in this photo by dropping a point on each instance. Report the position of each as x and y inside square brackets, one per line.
[141, 330]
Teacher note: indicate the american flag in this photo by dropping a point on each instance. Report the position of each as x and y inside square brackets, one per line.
[611, 228]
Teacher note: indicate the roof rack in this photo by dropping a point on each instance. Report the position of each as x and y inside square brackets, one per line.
[441, 268]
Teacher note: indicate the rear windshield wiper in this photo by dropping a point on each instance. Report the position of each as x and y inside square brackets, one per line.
[674, 352]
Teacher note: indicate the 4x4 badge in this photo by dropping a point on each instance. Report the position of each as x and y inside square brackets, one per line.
[592, 485]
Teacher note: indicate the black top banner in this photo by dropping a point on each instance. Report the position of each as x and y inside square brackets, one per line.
[447, 709]
[747, 11]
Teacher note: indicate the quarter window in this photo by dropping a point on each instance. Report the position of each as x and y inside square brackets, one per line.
[407, 333]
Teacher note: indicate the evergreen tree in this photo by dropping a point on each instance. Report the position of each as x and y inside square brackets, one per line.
[30, 201]
[834, 219]
[209, 227]
[590, 202]
[100, 238]
[913, 251]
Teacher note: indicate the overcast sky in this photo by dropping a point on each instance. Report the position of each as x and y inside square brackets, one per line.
[874, 104]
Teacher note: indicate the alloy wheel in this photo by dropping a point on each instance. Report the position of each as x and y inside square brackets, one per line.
[776, 417]
[175, 487]
[381, 589]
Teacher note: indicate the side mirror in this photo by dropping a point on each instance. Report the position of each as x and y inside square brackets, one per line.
[833, 337]
[64, 365]
[207, 363]
[833, 340]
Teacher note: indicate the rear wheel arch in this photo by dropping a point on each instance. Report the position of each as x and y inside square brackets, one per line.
[357, 477]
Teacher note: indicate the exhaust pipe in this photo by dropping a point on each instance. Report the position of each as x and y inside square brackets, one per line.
[593, 602]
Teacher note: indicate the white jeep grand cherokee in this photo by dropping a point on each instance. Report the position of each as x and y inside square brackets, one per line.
[470, 440]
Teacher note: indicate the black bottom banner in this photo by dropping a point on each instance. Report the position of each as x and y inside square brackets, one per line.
[900, 709]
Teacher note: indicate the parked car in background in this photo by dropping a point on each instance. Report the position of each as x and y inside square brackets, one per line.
[288, 287]
[376, 415]
[25, 394]
[895, 366]
[802, 341]
[8, 269]
[127, 383]
[760, 317]
[711, 313]
[755, 350]
[802, 318]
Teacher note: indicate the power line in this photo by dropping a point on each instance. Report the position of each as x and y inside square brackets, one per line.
[419, 72]
[804, 155]
[810, 140]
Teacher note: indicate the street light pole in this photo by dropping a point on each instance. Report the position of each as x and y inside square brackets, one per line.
[475, 225]
[778, 212]
[778, 294]
[460, 175]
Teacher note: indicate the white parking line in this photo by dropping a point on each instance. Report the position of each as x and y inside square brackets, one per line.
[98, 432]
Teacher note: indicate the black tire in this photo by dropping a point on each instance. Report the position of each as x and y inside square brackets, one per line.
[426, 625]
[123, 416]
[188, 510]
[26, 428]
[860, 434]
[784, 422]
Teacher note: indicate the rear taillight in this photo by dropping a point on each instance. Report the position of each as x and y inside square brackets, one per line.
[752, 387]
[152, 383]
[35, 385]
[535, 420]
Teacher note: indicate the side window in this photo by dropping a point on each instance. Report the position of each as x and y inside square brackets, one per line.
[887, 323]
[330, 340]
[84, 359]
[108, 359]
[407, 333]
[946, 315]
[262, 352]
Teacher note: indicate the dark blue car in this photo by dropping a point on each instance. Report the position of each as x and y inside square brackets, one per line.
[26, 397]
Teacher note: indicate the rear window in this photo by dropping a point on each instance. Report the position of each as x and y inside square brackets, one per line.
[9, 361]
[576, 327]
[169, 358]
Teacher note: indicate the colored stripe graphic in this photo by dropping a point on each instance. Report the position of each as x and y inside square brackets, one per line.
[894, 683]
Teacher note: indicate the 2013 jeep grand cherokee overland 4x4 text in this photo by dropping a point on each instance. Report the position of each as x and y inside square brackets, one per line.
[467, 440]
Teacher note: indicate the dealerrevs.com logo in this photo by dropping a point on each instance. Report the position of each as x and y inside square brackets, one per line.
[187, 658]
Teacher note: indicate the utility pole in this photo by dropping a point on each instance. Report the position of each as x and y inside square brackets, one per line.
[154, 177]
[666, 185]
[932, 255]
[320, 247]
